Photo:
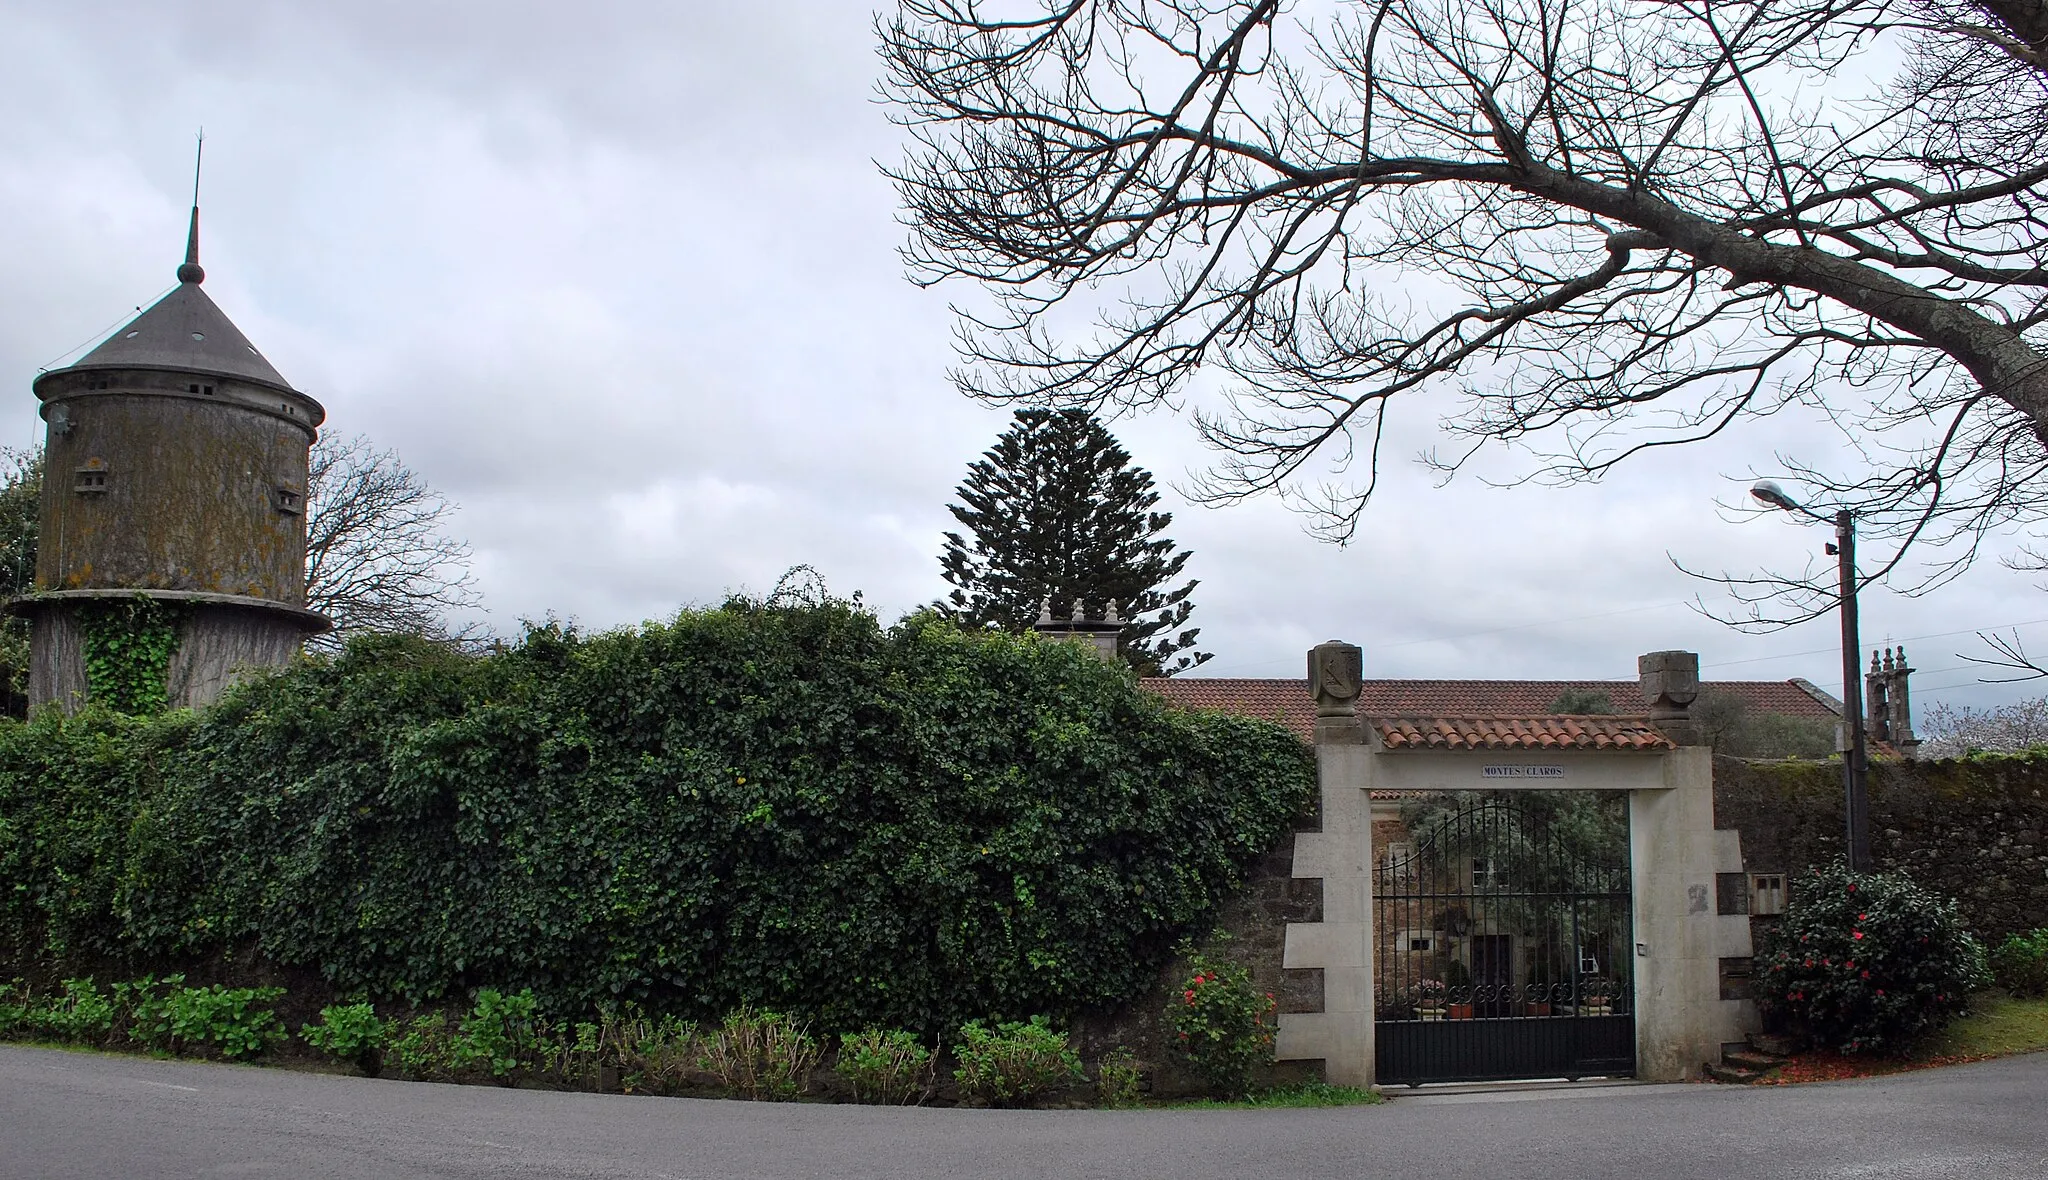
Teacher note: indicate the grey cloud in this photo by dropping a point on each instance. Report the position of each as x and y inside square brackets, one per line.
[621, 280]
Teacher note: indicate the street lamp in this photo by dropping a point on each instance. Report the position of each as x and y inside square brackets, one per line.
[1855, 759]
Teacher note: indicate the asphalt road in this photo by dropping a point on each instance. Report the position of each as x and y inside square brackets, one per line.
[85, 1115]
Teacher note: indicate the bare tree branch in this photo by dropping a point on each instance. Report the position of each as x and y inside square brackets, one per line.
[376, 559]
[1580, 229]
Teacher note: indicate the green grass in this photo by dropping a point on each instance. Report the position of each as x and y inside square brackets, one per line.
[1306, 1094]
[1999, 1025]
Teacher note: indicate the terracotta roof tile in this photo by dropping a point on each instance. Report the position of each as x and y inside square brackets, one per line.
[1520, 733]
[1289, 703]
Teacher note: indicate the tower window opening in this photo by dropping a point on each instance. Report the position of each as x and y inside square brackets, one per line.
[193, 388]
[207, 390]
[90, 479]
[288, 501]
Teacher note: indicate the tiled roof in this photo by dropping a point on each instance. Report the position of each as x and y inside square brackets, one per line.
[1289, 702]
[1520, 733]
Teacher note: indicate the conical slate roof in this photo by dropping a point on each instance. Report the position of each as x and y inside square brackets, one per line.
[186, 331]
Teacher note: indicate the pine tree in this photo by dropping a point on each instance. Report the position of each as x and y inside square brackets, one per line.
[1056, 512]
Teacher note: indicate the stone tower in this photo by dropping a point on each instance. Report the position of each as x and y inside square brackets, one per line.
[174, 469]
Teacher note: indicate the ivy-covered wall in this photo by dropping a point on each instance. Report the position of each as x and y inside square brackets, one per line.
[785, 806]
[1973, 828]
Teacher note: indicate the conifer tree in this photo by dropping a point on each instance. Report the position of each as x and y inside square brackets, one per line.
[1056, 512]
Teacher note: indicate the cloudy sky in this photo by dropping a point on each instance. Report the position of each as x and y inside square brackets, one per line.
[620, 279]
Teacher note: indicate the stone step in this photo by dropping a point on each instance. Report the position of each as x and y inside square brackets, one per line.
[1777, 1045]
[1732, 1075]
[1752, 1059]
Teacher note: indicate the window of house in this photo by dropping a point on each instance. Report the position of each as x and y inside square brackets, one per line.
[1483, 874]
[1766, 893]
[1420, 940]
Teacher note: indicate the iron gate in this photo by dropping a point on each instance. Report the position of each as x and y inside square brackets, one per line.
[1504, 942]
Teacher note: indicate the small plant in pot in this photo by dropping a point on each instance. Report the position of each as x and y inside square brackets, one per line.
[1458, 982]
[1429, 999]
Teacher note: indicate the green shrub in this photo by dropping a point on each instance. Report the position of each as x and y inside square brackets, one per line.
[1867, 961]
[14, 1010]
[424, 1048]
[885, 1066]
[1222, 1026]
[498, 1034]
[1016, 1063]
[351, 1032]
[1117, 1078]
[791, 807]
[79, 1012]
[762, 1055]
[2020, 963]
[235, 1022]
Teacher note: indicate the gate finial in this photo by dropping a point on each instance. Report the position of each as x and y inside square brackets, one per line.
[1671, 683]
[1336, 675]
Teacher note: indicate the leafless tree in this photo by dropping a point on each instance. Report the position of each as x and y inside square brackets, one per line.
[1582, 229]
[376, 558]
[1950, 732]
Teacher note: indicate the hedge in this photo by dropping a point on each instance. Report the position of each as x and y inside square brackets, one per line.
[791, 807]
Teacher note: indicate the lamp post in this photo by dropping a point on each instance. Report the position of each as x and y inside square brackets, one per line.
[1855, 759]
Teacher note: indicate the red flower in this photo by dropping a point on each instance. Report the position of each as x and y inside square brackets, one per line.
[1858, 934]
[1863, 917]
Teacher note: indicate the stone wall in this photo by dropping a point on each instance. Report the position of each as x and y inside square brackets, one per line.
[1974, 829]
[1251, 930]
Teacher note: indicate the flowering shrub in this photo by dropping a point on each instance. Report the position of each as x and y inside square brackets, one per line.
[2020, 964]
[1015, 1063]
[1222, 1026]
[1866, 961]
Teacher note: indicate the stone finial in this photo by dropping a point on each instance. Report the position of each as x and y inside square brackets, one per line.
[1671, 683]
[1109, 614]
[1045, 614]
[1901, 702]
[1336, 675]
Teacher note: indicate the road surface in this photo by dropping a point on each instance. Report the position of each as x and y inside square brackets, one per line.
[68, 1115]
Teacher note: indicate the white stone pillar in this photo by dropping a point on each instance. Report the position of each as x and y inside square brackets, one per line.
[1673, 854]
[1341, 1035]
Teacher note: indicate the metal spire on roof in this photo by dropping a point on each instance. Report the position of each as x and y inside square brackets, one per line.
[191, 271]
